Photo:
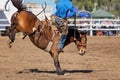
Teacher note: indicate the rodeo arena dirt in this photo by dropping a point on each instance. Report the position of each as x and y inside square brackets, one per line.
[24, 61]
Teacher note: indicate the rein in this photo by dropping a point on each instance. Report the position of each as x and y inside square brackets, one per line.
[6, 6]
[83, 44]
[43, 7]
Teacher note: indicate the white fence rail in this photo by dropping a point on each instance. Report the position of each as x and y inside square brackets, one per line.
[87, 24]
[95, 24]
[3, 25]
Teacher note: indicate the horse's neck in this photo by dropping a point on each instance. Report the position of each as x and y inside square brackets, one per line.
[72, 36]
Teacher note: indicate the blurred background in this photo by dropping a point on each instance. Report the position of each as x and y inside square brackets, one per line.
[103, 12]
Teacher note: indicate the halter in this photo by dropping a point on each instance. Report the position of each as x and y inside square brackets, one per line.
[83, 44]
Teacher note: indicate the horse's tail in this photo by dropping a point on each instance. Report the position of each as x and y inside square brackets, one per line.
[18, 4]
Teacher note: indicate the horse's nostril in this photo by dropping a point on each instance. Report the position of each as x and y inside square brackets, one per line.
[82, 52]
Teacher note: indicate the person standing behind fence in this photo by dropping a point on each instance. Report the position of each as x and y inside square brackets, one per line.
[60, 19]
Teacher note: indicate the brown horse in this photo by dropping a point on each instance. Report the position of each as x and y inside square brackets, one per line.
[43, 36]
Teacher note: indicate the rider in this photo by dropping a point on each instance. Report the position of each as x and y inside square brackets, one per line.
[60, 16]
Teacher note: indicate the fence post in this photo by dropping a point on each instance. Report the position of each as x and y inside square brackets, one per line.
[91, 30]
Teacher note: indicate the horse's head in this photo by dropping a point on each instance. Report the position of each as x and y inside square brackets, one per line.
[82, 43]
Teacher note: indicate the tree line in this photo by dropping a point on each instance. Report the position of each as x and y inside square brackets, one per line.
[112, 6]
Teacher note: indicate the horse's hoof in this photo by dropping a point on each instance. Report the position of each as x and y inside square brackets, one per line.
[66, 74]
[9, 46]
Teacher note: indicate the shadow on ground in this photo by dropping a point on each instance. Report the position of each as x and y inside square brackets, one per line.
[53, 72]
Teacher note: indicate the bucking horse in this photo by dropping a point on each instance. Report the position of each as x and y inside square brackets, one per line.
[42, 33]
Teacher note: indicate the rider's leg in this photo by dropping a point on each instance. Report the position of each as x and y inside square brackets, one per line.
[61, 42]
[64, 32]
[61, 25]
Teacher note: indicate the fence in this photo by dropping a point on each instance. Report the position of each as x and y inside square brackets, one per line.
[95, 24]
[85, 24]
[3, 24]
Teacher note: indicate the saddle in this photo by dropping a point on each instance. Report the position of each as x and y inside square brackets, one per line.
[59, 22]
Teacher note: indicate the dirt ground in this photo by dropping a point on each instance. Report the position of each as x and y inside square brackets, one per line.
[24, 61]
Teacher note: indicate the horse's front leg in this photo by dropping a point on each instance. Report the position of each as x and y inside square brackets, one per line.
[57, 63]
[55, 54]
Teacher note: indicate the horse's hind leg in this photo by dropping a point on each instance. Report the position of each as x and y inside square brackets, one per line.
[57, 64]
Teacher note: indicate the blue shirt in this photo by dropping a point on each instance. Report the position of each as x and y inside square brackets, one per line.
[63, 7]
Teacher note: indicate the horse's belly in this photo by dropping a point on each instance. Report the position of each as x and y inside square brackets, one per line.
[39, 41]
